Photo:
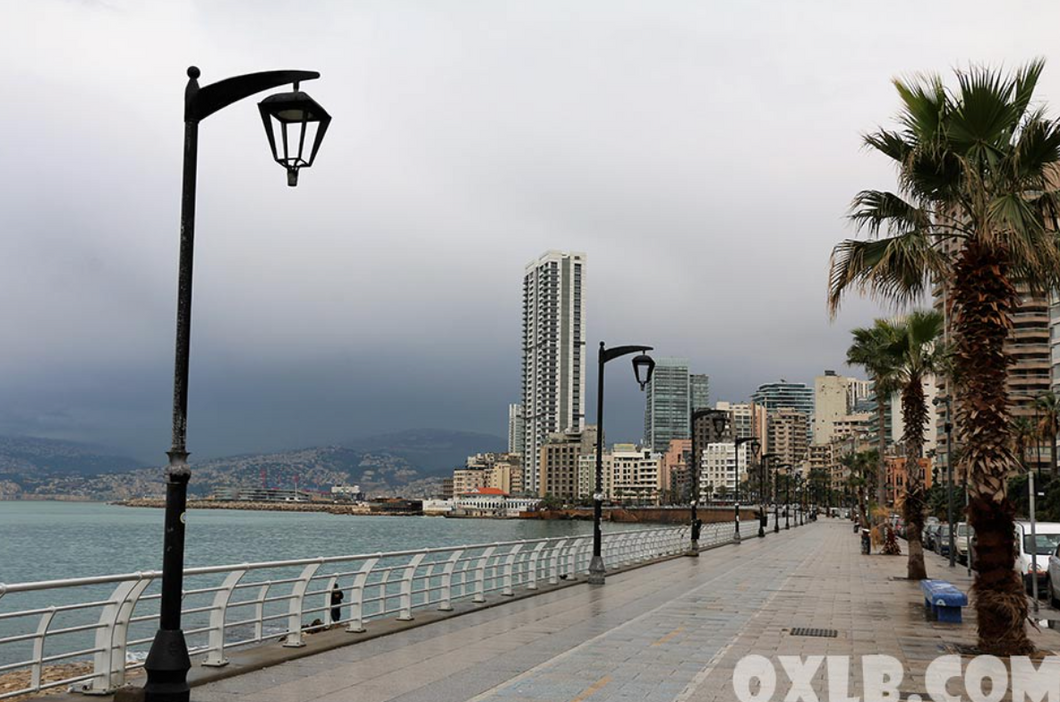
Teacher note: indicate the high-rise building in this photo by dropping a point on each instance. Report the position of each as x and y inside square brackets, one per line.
[553, 352]
[516, 429]
[787, 436]
[558, 466]
[1029, 346]
[700, 390]
[831, 398]
[718, 470]
[667, 403]
[797, 396]
[747, 418]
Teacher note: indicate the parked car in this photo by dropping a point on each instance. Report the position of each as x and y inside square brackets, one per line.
[942, 540]
[961, 541]
[1048, 540]
[1052, 579]
[929, 535]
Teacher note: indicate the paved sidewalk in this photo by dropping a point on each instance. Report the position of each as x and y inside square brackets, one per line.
[669, 631]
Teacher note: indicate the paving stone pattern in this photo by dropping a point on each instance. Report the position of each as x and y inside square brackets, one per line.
[669, 631]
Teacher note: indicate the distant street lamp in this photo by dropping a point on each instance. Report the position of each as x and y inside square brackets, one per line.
[763, 482]
[168, 662]
[945, 399]
[643, 365]
[776, 496]
[719, 418]
[753, 445]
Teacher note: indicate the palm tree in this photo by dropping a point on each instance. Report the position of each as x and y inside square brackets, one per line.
[861, 467]
[873, 350]
[1022, 431]
[917, 355]
[1048, 405]
[977, 210]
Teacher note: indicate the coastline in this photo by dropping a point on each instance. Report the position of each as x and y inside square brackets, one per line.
[327, 507]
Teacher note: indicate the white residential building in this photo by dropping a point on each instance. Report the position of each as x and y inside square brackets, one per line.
[516, 429]
[718, 469]
[635, 474]
[553, 352]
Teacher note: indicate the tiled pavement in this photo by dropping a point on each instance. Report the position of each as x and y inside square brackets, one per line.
[670, 631]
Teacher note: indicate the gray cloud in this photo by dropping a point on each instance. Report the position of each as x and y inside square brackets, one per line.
[703, 155]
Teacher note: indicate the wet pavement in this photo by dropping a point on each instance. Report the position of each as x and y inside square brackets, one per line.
[669, 631]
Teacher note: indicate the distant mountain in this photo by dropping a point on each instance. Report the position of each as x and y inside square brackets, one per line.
[409, 463]
[54, 457]
[432, 452]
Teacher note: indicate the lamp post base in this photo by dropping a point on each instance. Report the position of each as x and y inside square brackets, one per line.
[596, 570]
[736, 534]
[693, 550]
[167, 667]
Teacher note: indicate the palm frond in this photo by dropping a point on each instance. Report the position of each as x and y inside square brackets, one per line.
[896, 268]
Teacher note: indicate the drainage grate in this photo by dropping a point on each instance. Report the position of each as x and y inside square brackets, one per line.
[823, 633]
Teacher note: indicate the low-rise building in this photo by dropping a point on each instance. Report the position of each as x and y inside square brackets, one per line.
[634, 474]
[491, 502]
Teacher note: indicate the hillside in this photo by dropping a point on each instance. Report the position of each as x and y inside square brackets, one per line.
[409, 463]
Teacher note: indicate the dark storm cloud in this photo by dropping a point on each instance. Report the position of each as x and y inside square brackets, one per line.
[701, 154]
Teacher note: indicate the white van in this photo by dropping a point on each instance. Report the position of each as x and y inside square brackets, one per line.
[1048, 540]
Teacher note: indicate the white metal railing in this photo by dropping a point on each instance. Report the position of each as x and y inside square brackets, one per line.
[106, 623]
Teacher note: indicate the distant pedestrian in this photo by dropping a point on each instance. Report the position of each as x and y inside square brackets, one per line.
[336, 602]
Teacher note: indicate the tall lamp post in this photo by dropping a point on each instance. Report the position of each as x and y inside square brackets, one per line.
[763, 482]
[787, 496]
[719, 419]
[949, 477]
[753, 444]
[643, 365]
[167, 662]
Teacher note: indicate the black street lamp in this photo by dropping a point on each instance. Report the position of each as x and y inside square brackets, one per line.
[167, 662]
[949, 477]
[763, 482]
[643, 365]
[720, 419]
[776, 496]
[752, 442]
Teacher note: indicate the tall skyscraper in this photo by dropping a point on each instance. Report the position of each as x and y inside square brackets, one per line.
[666, 408]
[700, 391]
[831, 403]
[516, 429]
[553, 352]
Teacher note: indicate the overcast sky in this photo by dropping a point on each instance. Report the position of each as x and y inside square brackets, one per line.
[701, 153]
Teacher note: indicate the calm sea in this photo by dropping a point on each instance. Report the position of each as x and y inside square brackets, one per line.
[51, 540]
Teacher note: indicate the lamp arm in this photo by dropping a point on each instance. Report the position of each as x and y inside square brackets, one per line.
[611, 354]
[200, 103]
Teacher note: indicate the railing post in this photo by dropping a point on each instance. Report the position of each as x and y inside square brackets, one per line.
[406, 587]
[38, 649]
[215, 656]
[446, 604]
[509, 563]
[297, 602]
[259, 610]
[531, 583]
[356, 625]
[109, 663]
[581, 550]
[553, 564]
[480, 575]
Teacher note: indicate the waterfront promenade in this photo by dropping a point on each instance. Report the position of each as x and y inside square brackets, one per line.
[669, 631]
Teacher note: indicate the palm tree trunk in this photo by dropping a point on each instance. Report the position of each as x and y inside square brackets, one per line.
[984, 298]
[914, 413]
